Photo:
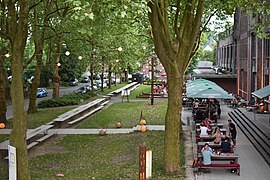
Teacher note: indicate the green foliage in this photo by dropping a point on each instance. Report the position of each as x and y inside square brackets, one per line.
[261, 10]
[65, 100]
[201, 54]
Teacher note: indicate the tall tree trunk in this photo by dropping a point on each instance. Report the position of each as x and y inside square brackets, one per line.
[56, 76]
[173, 125]
[39, 44]
[175, 50]
[121, 77]
[18, 32]
[33, 90]
[102, 77]
[110, 76]
[49, 61]
[3, 89]
[92, 76]
[18, 133]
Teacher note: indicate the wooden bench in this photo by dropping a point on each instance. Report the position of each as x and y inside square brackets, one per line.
[29, 146]
[235, 165]
[70, 114]
[85, 116]
[117, 91]
[43, 129]
[104, 103]
[43, 138]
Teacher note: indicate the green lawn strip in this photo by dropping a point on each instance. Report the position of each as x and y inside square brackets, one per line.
[3, 137]
[101, 157]
[140, 90]
[42, 117]
[128, 113]
[107, 90]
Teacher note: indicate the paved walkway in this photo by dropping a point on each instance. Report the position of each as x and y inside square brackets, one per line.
[252, 164]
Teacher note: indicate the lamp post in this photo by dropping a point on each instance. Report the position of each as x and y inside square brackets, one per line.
[152, 77]
[120, 49]
[117, 60]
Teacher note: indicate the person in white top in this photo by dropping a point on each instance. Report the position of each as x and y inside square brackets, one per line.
[204, 130]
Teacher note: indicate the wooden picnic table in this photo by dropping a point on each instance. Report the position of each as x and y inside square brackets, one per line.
[222, 130]
[211, 144]
[222, 157]
[213, 125]
[207, 138]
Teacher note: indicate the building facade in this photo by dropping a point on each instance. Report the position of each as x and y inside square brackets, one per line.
[244, 54]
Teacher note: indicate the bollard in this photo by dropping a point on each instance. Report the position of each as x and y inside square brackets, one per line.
[142, 163]
[188, 121]
[193, 125]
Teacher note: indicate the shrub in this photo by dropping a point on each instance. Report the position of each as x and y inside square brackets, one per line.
[65, 100]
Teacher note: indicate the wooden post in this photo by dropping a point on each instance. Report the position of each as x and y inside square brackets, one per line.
[142, 163]
[152, 80]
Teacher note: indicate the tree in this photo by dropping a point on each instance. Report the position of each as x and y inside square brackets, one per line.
[261, 10]
[174, 53]
[16, 31]
[39, 29]
[176, 29]
[3, 87]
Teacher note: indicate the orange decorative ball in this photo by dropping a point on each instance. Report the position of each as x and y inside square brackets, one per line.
[142, 122]
[102, 132]
[2, 125]
[118, 124]
[143, 128]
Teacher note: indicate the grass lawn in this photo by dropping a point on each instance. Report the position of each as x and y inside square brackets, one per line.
[100, 157]
[106, 157]
[128, 113]
[3, 137]
[138, 91]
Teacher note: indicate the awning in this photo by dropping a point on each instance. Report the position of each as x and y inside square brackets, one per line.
[262, 93]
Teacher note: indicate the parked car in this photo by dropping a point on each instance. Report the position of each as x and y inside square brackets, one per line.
[83, 89]
[73, 82]
[96, 88]
[42, 92]
[85, 79]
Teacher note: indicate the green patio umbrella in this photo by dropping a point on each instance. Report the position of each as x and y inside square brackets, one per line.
[210, 93]
[201, 84]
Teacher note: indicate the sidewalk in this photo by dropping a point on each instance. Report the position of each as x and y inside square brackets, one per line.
[252, 164]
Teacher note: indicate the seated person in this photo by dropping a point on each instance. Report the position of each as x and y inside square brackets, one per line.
[207, 123]
[204, 130]
[226, 146]
[217, 135]
[196, 103]
[207, 154]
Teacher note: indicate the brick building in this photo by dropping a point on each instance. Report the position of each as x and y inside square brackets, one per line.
[244, 54]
